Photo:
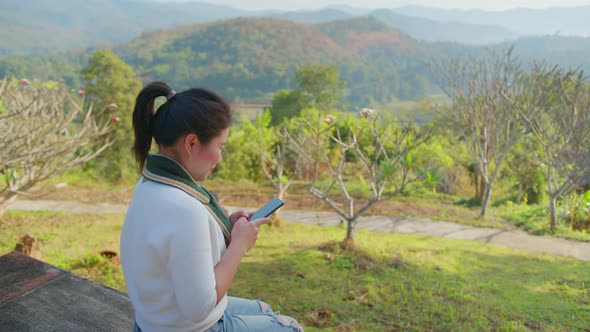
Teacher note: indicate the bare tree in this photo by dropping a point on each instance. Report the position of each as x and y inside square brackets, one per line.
[558, 115]
[275, 157]
[275, 162]
[381, 153]
[487, 96]
[44, 131]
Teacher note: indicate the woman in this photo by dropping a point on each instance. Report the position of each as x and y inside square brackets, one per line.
[179, 249]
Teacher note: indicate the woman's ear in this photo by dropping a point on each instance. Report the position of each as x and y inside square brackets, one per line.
[191, 144]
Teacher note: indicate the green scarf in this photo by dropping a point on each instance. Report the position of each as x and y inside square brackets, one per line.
[166, 170]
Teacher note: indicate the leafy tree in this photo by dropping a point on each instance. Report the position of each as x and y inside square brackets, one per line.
[319, 90]
[285, 104]
[112, 83]
[320, 87]
[240, 159]
[434, 155]
[529, 177]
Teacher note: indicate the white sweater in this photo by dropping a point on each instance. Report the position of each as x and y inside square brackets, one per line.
[170, 244]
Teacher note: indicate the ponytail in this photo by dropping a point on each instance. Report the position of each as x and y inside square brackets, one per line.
[143, 118]
[198, 111]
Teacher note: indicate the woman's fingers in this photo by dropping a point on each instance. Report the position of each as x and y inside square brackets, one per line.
[261, 221]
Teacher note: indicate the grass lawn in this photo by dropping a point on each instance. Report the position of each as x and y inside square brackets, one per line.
[391, 282]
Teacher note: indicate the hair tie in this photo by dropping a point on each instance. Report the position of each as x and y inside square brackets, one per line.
[170, 95]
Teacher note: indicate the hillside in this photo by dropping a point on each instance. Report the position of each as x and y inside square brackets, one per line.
[251, 58]
[41, 25]
[364, 34]
[566, 51]
[237, 56]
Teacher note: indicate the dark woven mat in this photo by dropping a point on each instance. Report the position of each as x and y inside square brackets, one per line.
[35, 296]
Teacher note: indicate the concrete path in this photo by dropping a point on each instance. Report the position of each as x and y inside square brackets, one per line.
[67, 206]
[412, 225]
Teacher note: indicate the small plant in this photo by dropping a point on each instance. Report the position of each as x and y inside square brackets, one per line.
[88, 261]
[576, 211]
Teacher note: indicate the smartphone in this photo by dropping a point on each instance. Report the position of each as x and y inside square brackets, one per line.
[265, 211]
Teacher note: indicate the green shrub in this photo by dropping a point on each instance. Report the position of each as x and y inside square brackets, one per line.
[575, 211]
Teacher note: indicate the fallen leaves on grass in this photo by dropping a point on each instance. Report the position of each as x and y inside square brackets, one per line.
[321, 317]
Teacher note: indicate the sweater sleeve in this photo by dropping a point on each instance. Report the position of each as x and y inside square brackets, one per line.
[191, 264]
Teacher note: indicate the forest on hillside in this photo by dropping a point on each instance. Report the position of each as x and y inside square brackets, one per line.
[249, 59]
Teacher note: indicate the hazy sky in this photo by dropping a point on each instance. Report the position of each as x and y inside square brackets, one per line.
[462, 4]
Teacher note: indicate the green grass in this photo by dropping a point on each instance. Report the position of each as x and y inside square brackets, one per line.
[69, 241]
[502, 214]
[391, 282]
[534, 219]
[81, 176]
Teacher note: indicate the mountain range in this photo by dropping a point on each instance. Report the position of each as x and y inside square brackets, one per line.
[48, 25]
[249, 59]
[255, 57]
[44, 25]
[381, 54]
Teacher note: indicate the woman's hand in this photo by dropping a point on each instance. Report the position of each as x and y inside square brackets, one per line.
[243, 238]
[237, 215]
[245, 233]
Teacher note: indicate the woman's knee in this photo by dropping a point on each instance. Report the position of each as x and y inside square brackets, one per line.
[285, 321]
[264, 307]
[289, 322]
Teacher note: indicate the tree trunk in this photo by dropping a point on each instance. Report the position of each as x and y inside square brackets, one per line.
[482, 189]
[350, 228]
[476, 183]
[276, 220]
[519, 197]
[486, 200]
[552, 207]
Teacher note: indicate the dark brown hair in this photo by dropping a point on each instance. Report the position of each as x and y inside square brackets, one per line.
[197, 111]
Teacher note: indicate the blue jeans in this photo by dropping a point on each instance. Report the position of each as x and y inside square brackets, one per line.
[242, 315]
[253, 316]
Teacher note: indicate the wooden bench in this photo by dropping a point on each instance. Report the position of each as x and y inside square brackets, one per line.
[35, 296]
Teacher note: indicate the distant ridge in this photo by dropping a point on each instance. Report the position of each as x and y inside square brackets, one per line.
[313, 16]
[567, 21]
[256, 57]
[434, 31]
[249, 59]
[42, 25]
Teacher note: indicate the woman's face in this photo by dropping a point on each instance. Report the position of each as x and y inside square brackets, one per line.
[202, 159]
